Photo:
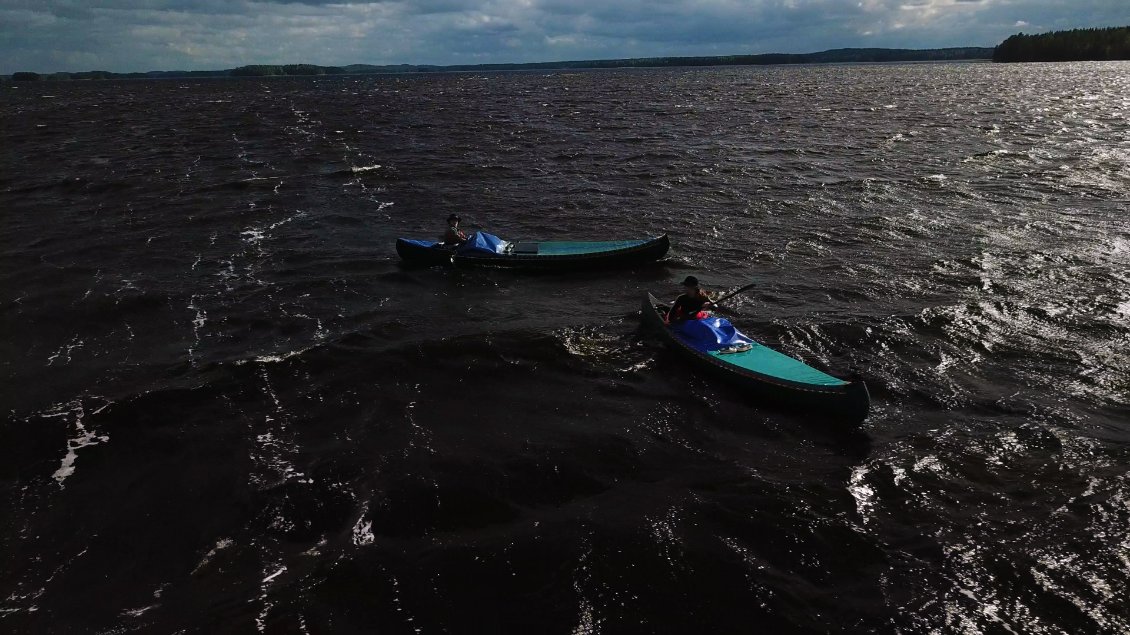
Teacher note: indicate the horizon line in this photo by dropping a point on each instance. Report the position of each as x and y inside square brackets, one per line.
[466, 65]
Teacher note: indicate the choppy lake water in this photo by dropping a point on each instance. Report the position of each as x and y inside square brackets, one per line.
[227, 407]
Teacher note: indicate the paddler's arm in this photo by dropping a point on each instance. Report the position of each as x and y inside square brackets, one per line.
[671, 312]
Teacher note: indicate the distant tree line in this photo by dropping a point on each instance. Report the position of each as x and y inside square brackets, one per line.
[257, 70]
[841, 56]
[260, 70]
[1079, 44]
[1066, 46]
[25, 76]
[835, 56]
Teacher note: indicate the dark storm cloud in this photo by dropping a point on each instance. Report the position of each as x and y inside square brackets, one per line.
[121, 35]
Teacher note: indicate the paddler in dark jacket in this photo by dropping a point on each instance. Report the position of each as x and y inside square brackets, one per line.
[688, 305]
[454, 236]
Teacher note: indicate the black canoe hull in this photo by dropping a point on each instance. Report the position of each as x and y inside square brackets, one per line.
[644, 252]
[420, 255]
[848, 403]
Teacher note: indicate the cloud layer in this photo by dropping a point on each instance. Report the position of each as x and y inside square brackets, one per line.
[141, 35]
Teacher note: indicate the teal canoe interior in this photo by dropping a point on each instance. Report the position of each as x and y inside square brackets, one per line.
[766, 361]
[562, 248]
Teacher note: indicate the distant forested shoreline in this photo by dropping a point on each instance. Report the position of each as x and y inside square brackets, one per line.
[1067, 46]
[1061, 46]
[835, 56]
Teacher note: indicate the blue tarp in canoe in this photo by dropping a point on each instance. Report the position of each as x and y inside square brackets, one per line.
[710, 334]
[482, 242]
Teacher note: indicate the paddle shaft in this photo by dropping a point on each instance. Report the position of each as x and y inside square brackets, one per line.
[733, 293]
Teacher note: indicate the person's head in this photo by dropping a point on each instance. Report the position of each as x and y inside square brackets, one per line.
[691, 285]
[453, 220]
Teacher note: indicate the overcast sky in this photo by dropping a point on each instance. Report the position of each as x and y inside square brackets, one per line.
[142, 35]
